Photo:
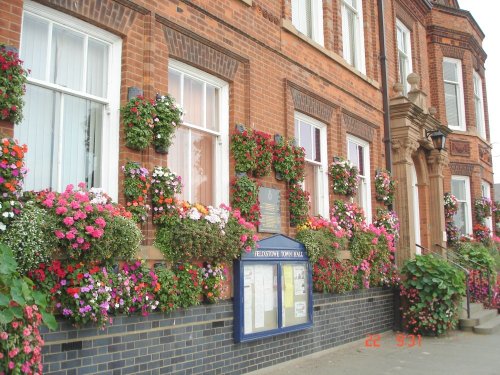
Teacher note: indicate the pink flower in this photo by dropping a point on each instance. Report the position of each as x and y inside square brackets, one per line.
[80, 240]
[70, 235]
[243, 238]
[4, 335]
[13, 352]
[89, 208]
[89, 229]
[68, 221]
[26, 368]
[100, 222]
[375, 241]
[15, 325]
[59, 234]
[11, 365]
[48, 203]
[75, 205]
[82, 185]
[61, 210]
[255, 237]
[26, 332]
[248, 249]
[97, 233]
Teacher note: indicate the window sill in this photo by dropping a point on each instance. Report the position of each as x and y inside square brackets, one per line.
[288, 26]
[247, 2]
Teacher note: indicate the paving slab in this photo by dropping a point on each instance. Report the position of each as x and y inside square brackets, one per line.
[457, 353]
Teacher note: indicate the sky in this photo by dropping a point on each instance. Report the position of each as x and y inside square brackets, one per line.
[485, 12]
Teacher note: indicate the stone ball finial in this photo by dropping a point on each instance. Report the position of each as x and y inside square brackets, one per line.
[432, 111]
[414, 80]
[398, 88]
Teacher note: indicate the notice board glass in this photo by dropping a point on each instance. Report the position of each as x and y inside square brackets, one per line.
[295, 294]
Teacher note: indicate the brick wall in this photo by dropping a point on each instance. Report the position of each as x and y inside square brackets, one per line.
[200, 340]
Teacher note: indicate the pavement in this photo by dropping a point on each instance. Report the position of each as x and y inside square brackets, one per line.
[457, 353]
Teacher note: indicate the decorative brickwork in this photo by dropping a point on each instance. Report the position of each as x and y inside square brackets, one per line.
[461, 169]
[310, 103]
[459, 148]
[357, 127]
[200, 340]
[485, 154]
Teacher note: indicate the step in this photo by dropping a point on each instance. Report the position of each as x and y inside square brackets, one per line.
[489, 327]
[474, 308]
[478, 318]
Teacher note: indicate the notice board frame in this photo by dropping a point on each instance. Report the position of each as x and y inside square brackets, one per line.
[278, 250]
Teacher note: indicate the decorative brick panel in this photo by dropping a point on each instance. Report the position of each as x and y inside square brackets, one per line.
[460, 148]
[461, 169]
[357, 127]
[485, 154]
[310, 103]
[199, 340]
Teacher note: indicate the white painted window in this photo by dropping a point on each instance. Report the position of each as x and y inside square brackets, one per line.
[353, 34]
[460, 188]
[307, 17]
[416, 208]
[486, 193]
[311, 134]
[404, 54]
[358, 153]
[454, 93]
[479, 105]
[200, 150]
[71, 118]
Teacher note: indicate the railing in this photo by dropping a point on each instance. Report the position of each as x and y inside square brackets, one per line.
[456, 265]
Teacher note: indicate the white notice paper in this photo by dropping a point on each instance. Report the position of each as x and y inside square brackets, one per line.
[299, 280]
[248, 276]
[259, 296]
[300, 309]
[248, 311]
[268, 288]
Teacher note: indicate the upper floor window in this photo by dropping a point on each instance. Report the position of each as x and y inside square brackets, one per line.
[307, 17]
[72, 101]
[460, 188]
[486, 193]
[478, 105]
[403, 37]
[311, 135]
[200, 151]
[454, 93]
[358, 153]
[353, 33]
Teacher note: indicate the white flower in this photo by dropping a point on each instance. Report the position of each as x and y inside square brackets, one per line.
[194, 214]
[3, 227]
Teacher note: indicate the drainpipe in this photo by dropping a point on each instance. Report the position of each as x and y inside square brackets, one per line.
[385, 90]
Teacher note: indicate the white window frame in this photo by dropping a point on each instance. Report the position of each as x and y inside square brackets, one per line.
[367, 200]
[416, 208]
[486, 193]
[111, 119]
[299, 19]
[460, 100]
[468, 216]
[221, 178]
[479, 105]
[406, 55]
[321, 178]
[359, 38]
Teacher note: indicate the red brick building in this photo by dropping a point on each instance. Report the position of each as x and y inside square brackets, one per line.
[304, 69]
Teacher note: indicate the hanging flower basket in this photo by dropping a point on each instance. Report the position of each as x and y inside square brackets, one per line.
[482, 207]
[135, 187]
[12, 86]
[298, 200]
[138, 115]
[245, 197]
[385, 187]
[289, 161]
[450, 205]
[345, 177]
[167, 116]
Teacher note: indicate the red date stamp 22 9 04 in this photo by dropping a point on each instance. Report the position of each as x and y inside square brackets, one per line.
[402, 340]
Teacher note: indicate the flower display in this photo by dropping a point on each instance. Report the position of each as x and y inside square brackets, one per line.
[196, 231]
[135, 187]
[345, 177]
[385, 186]
[13, 79]
[333, 276]
[164, 185]
[349, 216]
[244, 150]
[450, 205]
[289, 161]
[212, 277]
[452, 233]
[481, 233]
[245, 198]
[263, 154]
[388, 220]
[167, 116]
[298, 201]
[483, 208]
[138, 121]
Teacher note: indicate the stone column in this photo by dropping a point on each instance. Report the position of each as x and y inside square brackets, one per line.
[403, 202]
[437, 161]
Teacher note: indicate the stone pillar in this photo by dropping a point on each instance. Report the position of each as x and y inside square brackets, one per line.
[437, 161]
[402, 172]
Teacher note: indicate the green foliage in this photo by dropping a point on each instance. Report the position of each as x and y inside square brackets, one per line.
[188, 285]
[433, 291]
[13, 78]
[320, 243]
[138, 115]
[298, 200]
[245, 197]
[244, 149]
[332, 276]
[289, 161]
[168, 296]
[167, 116]
[120, 241]
[474, 255]
[31, 237]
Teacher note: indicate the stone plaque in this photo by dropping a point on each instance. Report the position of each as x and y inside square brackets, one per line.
[270, 204]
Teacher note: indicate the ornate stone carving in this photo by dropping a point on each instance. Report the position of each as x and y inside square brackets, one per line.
[485, 154]
[357, 127]
[460, 148]
[404, 149]
[437, 161]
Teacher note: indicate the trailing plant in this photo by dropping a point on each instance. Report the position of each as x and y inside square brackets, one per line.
[244, 149]
[452, 234]
[22, 312]
[168, 295]
[482, 207]
[349, 216]
[13, 78]
[138, 120]
[164, 185]
[433, 291]
[385, 186]
[167, 116]
[135, 188]
[298, 201]
[333, 276]
[212, 281]
[188, 285]
[450, 205]
[481, 233]
[196, 231]
[245, 197]
[345, 177]
[388, 220]
[31, 237]
[12, 172]
[263, 154]
[289, 161]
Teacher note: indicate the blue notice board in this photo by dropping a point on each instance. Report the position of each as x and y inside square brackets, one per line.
[272, 290]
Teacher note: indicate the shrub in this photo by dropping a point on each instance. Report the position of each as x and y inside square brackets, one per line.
[188, 285]
[332, 276]
[212, 278]
[31, 237]
[472, 254]
[433, 290]
[168, 296]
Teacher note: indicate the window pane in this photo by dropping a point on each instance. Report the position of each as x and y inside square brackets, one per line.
[81, 142]
[317, 145]
[97, 68]
[450, 71]
[459, 219]
[178, 159]
[174, 84]
[353, 154]
[361, 157]
[212, 108]
[451, 99]
[193, 101]
[306, 139]
[34, 45]
[458, 189]
[67, 58]
[202, 154]
[37, 131]
[310, 186]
